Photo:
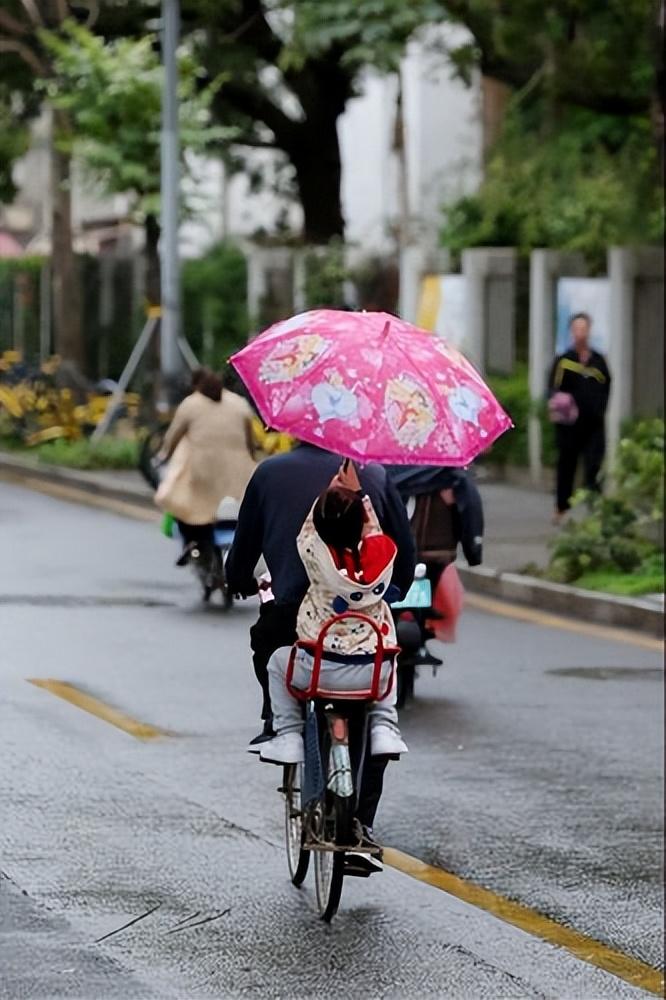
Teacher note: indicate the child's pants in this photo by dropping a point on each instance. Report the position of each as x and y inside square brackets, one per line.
[287, 716]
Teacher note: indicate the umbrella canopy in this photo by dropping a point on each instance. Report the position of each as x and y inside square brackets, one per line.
[371, 387]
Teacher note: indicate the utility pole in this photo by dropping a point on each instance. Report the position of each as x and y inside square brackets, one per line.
[170, 358]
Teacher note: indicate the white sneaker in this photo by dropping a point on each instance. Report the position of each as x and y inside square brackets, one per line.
[284, 749]
[386, 741]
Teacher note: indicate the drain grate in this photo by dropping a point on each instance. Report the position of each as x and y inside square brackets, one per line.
[83, 601]
[610, 673]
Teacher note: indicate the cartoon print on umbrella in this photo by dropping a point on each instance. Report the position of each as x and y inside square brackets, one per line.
[333, 400]
[409, 411]
[466, 405]
[291, 358]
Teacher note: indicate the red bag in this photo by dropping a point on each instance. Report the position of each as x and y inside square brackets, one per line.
[448, 601]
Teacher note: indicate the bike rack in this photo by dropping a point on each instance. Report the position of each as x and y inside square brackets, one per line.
[316, 649]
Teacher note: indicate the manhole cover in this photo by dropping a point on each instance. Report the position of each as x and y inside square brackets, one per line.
[72, 601]
[610, 673]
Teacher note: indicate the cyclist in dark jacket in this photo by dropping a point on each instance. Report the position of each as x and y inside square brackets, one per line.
[276, 503]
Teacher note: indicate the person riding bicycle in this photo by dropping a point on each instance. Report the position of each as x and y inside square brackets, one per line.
[349, 563]
[276, 503]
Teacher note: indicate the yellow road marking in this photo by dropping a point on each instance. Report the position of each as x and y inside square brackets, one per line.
[548, 620]
[64, 492]
[139, 730]
[631, 970]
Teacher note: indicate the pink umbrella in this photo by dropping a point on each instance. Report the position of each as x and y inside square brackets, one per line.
[372, 388]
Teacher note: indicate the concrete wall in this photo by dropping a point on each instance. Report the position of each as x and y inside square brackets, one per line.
[636, 353]
[490, 321]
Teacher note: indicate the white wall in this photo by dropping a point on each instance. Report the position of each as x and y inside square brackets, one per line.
[442, 143]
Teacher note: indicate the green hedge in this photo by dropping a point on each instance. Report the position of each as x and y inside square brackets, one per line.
[215, 317]
[19, 289]
[622, 533]
[108, 453]
[512, 447]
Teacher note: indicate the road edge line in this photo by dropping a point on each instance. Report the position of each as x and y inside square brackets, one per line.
[587, 949]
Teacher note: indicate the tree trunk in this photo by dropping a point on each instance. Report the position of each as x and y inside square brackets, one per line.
[152, 260]
[494, 99]
[67, 319]
[316, 159]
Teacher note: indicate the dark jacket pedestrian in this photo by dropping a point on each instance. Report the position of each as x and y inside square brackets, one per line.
[580, 375]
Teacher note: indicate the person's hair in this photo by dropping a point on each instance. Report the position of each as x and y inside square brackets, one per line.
[207, 383]
[338, 517]
[581, 315]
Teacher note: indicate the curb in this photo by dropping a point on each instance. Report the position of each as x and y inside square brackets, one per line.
[27, 469]
[604, 609]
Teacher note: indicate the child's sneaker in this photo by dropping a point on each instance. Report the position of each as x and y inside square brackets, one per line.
[384, 740]
[284, 749]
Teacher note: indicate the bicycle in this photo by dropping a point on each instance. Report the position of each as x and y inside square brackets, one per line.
[322, 795]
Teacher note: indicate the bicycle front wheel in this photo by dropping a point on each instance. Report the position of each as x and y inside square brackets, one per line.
[329, 874]
[298, 859]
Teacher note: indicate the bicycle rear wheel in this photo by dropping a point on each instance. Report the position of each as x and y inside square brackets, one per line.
[329, 874]
[298, 859]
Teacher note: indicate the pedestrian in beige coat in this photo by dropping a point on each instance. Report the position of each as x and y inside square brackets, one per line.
[209, 449]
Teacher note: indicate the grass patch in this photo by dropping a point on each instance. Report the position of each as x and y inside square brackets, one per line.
[109, 453]
[622, 584]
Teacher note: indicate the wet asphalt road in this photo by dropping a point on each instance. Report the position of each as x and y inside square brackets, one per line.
[535, 770]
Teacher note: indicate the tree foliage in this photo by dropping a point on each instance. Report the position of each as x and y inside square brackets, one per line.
[14, 142]
[589, 182]
[112, 92]
[577, 165]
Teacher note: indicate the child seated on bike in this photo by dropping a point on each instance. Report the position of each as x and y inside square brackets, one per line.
[349, 562]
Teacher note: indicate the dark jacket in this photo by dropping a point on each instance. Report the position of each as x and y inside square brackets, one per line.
[277, 501]
[588, 384]
[466, 517]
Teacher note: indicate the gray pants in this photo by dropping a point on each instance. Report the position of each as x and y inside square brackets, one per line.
[287, 717]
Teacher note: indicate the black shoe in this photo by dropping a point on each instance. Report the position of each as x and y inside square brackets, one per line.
[368, 858]
[428, 659]
[266, 734]
[368, 841]
[186, 554]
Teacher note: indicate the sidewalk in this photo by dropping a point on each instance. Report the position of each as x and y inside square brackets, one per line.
[517, 532]
[517, 526]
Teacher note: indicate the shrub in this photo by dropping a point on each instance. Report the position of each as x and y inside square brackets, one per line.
[618, 533]
[215, 317]
[325, 276]
[513, 393]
